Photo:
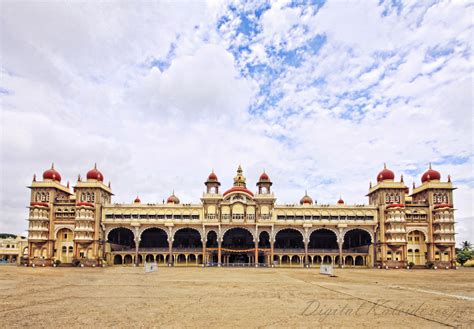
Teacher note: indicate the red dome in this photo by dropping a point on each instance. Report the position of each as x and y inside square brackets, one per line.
[264, 177]
[385, 174]
[212, 176]
[137, 200]
[306, 199]
[430, 174]
[340, 201]
[172, 199]
[52, 174]
[95, 174]
[238, 189]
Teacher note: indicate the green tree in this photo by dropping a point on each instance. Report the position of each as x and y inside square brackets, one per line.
[466, 245]
[465, 253]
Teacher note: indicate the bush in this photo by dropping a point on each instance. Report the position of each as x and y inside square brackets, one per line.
[411, 264]
[76, 262]
[57, 262]
[429, 265]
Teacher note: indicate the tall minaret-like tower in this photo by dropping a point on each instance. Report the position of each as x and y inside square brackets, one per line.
[91, 195]
[41, 227]
[390, 240]
[438, 196]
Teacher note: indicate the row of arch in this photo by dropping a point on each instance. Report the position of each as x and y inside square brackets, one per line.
[238, 238]
[339, 235]
[197, 259]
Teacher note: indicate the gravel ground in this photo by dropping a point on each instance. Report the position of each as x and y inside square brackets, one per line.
[123, 297]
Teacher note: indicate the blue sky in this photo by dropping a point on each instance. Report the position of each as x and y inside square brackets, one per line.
[319, 94]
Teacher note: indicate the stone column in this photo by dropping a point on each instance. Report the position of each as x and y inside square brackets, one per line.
[203, 252]
[306, 263]
[170, 252]
[256, 252]
[340, 244]
[219, 252]
[272, 242]
[137, 243]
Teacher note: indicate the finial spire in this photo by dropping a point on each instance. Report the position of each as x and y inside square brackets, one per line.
[384, 165]
[67, 185]
[413, 184]
[430, 165]
[79, 177]
[52, 165]
[401, 178]
[95, 165]
[34, 177]
[449, 178]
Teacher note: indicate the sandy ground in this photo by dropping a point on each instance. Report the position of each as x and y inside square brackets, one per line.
[122, 297]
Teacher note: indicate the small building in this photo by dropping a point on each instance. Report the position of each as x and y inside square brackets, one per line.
[13, 248]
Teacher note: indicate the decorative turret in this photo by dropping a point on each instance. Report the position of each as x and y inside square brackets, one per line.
[212, 183]
[264, 183]
[240, 179]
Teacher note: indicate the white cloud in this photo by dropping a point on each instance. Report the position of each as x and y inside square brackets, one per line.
[78, 87]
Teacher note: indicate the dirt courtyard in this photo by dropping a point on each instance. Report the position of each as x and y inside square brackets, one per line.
[123, 297]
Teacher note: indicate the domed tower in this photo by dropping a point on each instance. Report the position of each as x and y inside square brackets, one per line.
[437, 196]
[91, 195]
[212, 183]
[45, 195]
[388, 196]
[340, 202]
[264, 184]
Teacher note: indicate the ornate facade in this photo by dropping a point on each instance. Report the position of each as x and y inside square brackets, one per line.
[242, 228]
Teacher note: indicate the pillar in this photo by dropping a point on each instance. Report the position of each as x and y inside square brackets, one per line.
[340, 243]
[256, 252]
[272, 242]
[306, 254]
[219, 252]
[137, 242]
[203, 252]
[170, 252]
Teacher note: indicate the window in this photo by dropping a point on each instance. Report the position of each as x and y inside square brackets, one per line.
[64, 249]
[65, 236]
[71, 249]
[81, 254]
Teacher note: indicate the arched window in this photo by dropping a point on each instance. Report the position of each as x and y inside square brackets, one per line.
[64, 249]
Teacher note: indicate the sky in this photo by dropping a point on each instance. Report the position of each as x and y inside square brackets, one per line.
[318, 94]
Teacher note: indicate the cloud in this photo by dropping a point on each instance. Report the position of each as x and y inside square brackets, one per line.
[160, 93]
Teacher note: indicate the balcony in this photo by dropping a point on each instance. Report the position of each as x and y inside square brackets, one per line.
[443, 220]
[83, 229]
[444, 231]
[83, 238]
[395, 231]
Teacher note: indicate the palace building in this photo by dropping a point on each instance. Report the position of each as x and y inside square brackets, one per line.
[241, 227]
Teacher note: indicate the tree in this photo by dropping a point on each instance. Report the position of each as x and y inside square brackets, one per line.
[463, 256]
[466, 245]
